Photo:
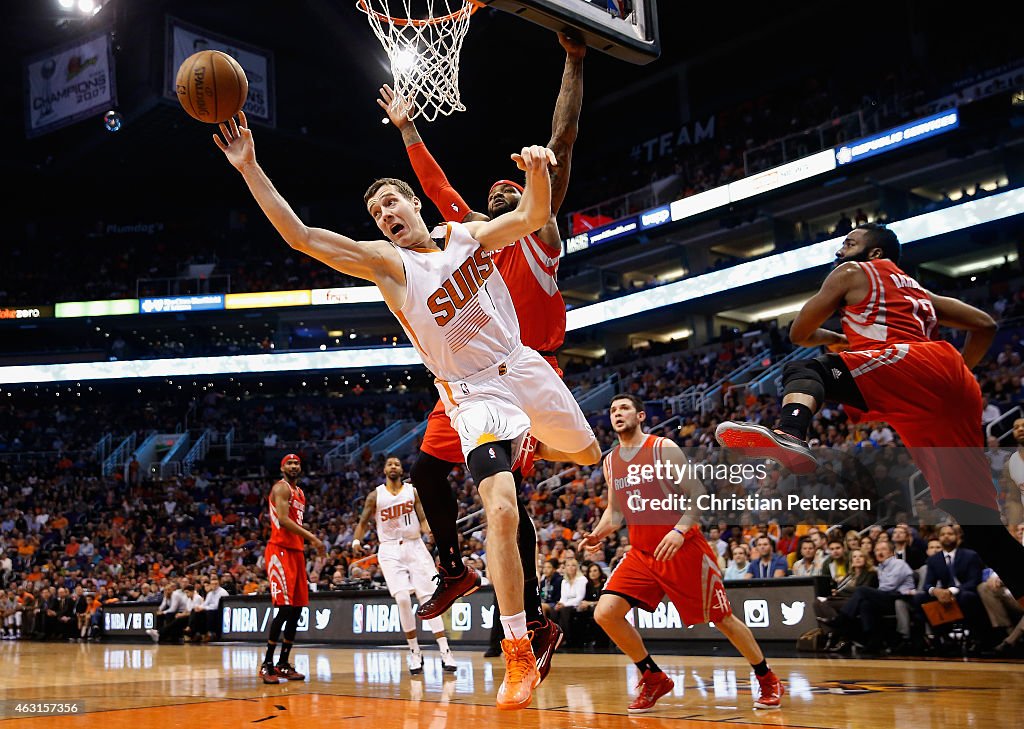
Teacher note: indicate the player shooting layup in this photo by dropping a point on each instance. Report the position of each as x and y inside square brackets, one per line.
[407, 565]
[458, 314]
[529, 268]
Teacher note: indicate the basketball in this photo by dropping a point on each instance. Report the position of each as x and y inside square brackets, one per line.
[211, 86]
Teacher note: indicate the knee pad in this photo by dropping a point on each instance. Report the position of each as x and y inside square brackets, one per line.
[488, 459]
[804, 377]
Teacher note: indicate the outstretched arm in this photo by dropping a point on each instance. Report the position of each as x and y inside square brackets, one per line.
[980, 327]
[429, 173]
[565, 122]
[373, 260]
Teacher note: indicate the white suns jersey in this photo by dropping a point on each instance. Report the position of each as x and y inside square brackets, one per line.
[458, 312]
[396, 514]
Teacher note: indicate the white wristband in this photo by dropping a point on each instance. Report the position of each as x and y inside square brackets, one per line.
[355, 544]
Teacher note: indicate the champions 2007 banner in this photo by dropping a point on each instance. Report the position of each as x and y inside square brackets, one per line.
[184, 39]
[69, 83]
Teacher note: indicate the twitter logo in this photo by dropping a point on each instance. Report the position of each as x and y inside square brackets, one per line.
[323, 617]
[793, 614]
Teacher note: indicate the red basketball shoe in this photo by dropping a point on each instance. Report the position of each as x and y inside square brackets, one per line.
[449, 589]
[772, 692]
[652, 687]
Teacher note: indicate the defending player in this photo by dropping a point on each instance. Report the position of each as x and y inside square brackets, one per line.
[456, 310]
[886, 366]
[286, 568]
[530, 269]
[407, 565]
[665, 559]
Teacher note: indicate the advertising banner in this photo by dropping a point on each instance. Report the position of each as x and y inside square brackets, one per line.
[780, 609]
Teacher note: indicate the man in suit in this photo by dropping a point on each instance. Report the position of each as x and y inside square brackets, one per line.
[46, 615]
[904, 547]
[953, 575]
[67, 621]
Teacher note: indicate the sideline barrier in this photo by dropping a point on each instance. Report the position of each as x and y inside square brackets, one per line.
[775, 610]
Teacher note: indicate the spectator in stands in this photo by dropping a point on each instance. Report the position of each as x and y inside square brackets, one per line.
[210, 624]
[861, 614]
[768, 564]
[585, 611]
[851, 540]
[953, 576]
[176, 612]
[862, 574]
[574, 587]
[934, 547]
[905, 549]
[66, 621]
[835, 566]
[809, 564]
[10, 616]
[1005, 614]
[737, 569]
[550, 586]
[46, 615]
[989, 412]
[81, 612]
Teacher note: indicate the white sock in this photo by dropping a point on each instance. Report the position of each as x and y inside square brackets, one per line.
[514, 625]
[414, 644]
[442, 643]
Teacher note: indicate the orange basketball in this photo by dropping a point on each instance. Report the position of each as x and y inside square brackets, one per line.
[211, 86]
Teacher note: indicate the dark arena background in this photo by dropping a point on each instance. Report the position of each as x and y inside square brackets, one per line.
[162, 349]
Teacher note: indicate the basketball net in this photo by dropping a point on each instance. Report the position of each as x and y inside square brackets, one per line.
[424, 51]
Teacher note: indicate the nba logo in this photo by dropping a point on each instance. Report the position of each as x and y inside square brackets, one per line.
[357, 618]
[462, 616]
[226, 620]
[755, 613]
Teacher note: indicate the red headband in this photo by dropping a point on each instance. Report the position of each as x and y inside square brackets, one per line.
[516, 185]
[289, 457]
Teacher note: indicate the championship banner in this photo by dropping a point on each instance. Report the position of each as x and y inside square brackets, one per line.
[184, 39]
[69, 83]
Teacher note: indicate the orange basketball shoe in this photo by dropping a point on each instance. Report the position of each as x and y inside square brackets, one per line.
[516, 690]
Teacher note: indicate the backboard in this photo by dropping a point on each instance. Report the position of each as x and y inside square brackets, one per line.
[626, 29]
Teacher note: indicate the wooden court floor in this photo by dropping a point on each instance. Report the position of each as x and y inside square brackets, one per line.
[141, 686]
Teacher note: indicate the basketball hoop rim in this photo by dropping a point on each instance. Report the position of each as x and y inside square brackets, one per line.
[471, 7]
